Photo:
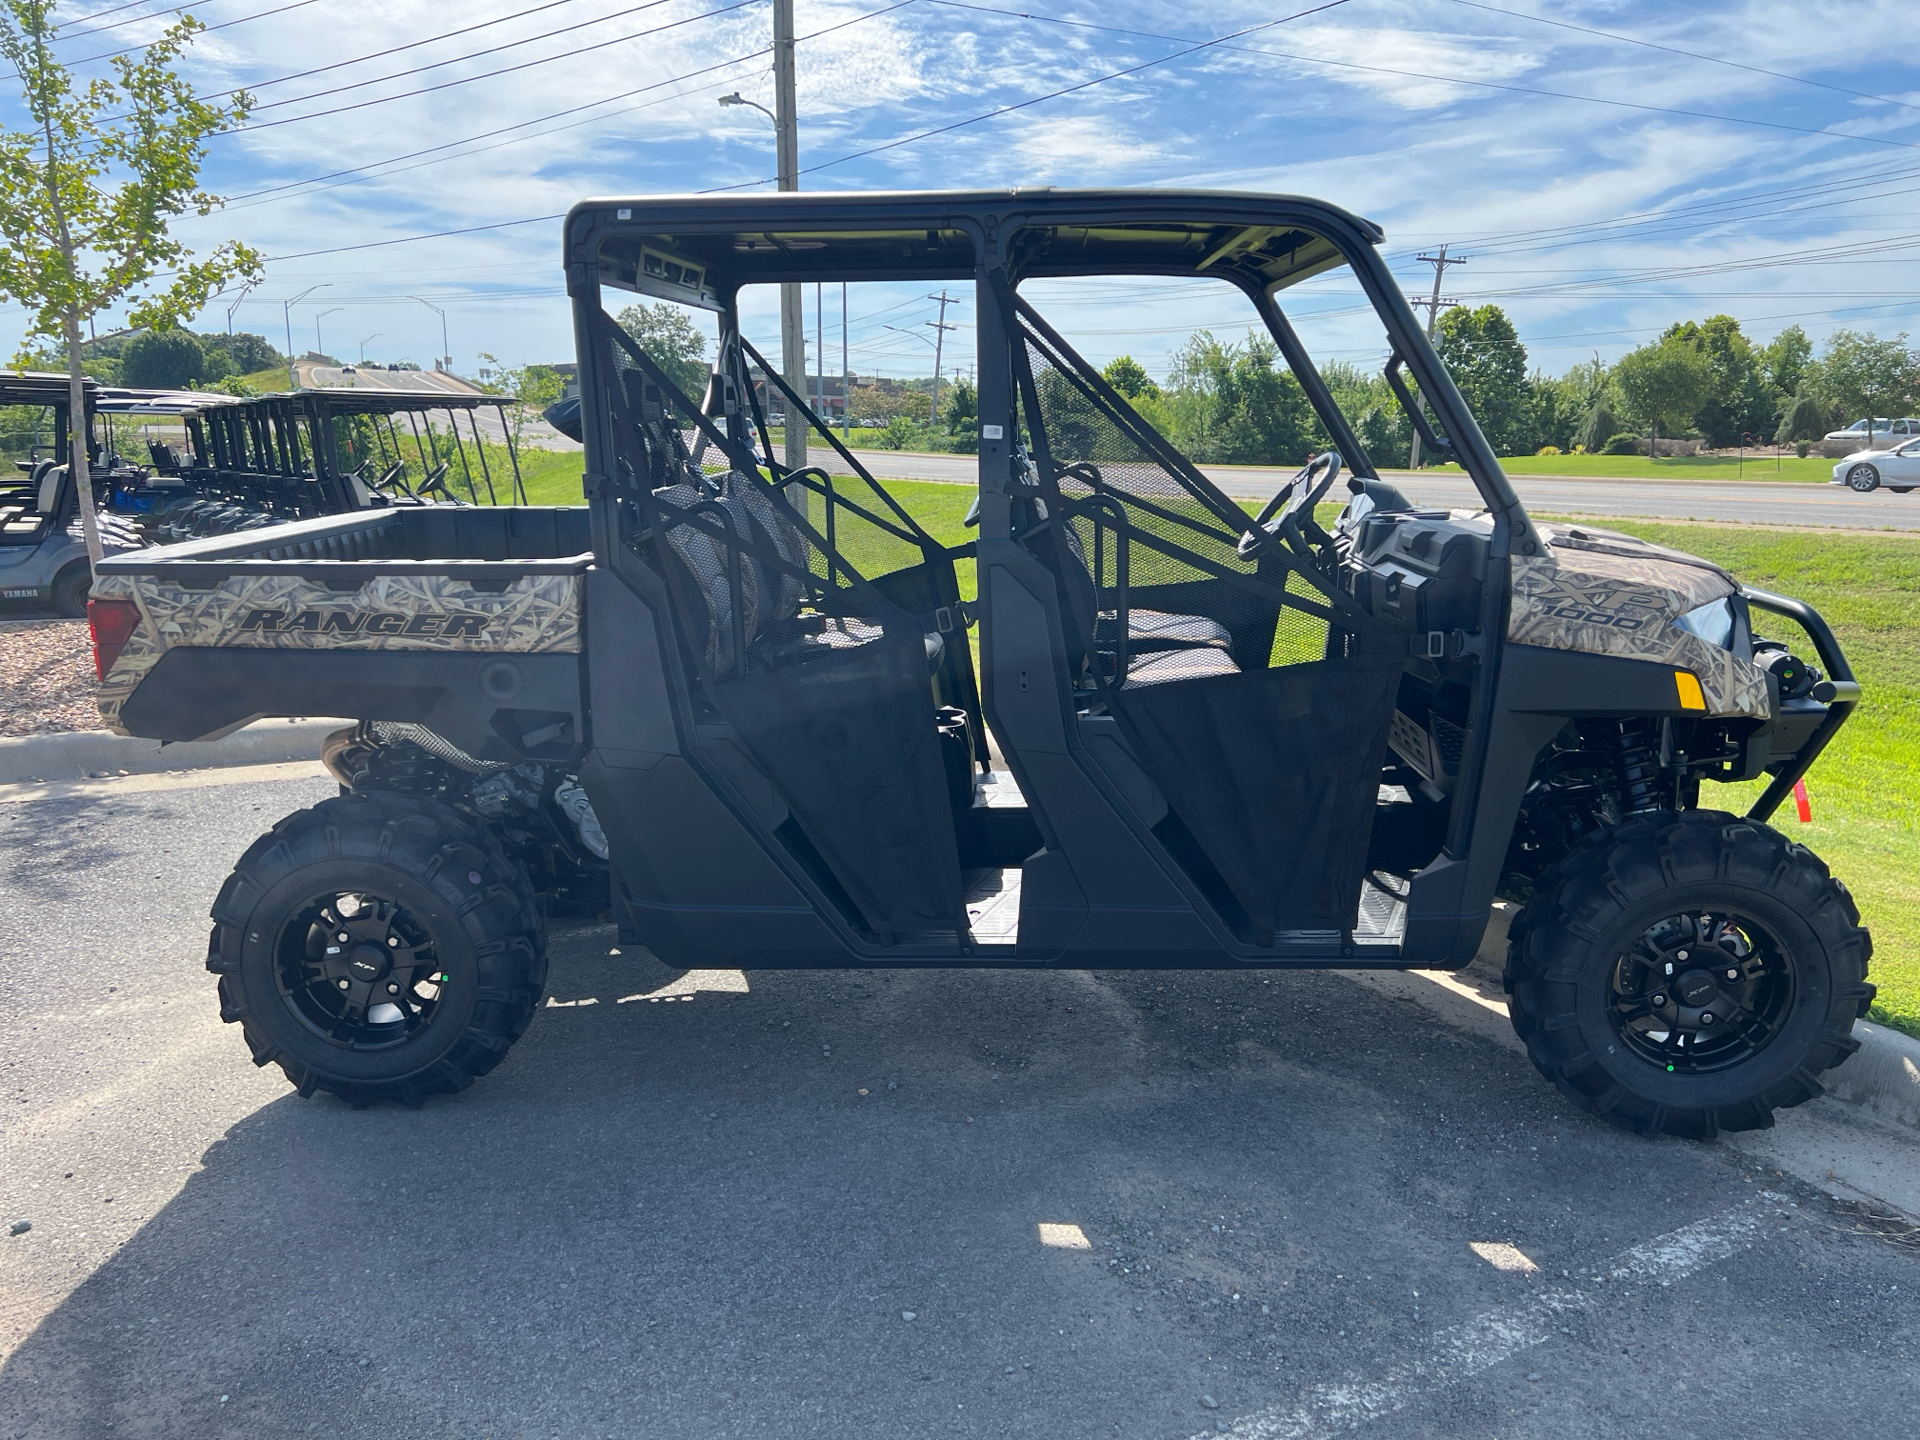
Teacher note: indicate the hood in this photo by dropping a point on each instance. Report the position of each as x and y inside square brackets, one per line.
[1605, 593]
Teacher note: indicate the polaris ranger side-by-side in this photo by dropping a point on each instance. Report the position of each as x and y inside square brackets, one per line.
[737, 704]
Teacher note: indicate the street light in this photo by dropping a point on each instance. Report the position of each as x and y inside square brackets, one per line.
[245, 290]
[786, 149]
[736, 98]
[363, 346]
[320, 349]
[286, 314]
[446, 357]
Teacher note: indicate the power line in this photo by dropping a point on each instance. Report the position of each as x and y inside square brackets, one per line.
[204, 30]
[102, 14]
[1443, 79]
[490, 74]
[543, 119]
[1689, 54]
[438, 64]
[1191, 49]
[277, 191]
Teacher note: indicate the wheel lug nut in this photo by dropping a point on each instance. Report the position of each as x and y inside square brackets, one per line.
[394, 940]
[342, 984]
[1683, 955]
[1707, 1019]
[1733, 974]
[343, 936]
[1659, 999]
[393, 989]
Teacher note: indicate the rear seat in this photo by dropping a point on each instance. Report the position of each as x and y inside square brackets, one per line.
[777, 634]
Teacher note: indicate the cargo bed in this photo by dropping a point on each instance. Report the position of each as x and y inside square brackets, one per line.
[464, 618]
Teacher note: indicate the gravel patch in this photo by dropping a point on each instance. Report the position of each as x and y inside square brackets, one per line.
[46, 677]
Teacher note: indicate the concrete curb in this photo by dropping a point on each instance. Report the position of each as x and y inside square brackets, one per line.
[1882, 1078]
[83, 754]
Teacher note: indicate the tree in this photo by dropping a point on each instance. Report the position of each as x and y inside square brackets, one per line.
[87, 192]
[671, 342]
[535, 387]
[963, 417]
[250, 353]
[1664, 384]
[1862, 375]
[1554, 410]
[1130, 378]
[1802, 417]
[1785, 358]
[1228, 404]
[1483, 353]
[168, 360]
[1737, 402]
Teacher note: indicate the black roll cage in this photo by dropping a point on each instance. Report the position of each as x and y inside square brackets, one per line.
[703, 249]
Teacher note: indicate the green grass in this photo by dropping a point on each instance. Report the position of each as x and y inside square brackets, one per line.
[1865, 789]
[552, 477]
[1678, 467]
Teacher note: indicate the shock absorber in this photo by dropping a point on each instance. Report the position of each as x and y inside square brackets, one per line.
[1638, 769]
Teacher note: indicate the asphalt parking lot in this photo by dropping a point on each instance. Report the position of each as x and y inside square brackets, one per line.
[857, 1204]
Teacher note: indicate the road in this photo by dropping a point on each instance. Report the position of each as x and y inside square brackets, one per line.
[673, 1211]
[1747, 502]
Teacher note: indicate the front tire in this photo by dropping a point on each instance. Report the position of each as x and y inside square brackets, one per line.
[1864, 478]
[378, 947]
[1687, 974]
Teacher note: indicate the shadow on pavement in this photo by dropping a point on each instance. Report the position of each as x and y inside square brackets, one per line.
[683, 1216]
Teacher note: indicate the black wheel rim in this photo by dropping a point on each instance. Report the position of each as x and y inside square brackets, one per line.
[1701, 992]
[360, 970]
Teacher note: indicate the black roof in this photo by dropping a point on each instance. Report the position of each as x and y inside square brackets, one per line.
[121, 400]
[37, 387]
[716, 243]
[370, 400]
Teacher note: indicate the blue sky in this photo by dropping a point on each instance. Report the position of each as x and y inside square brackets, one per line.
[1550, 156]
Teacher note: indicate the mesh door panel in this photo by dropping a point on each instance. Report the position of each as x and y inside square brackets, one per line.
[1272, 771]
[824, 679]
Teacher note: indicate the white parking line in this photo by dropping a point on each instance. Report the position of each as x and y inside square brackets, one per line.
[24, 792]
[1479, 1344]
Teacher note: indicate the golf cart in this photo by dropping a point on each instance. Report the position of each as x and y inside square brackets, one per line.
[737, 703]
[43, 558]
[249, 464]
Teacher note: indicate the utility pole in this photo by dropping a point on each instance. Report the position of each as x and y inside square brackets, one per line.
[820, 351]
[940, 328]
[1433, 308]
[846, 375]
[786, 143]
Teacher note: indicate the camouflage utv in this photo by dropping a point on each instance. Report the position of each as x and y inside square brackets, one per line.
[734, 700]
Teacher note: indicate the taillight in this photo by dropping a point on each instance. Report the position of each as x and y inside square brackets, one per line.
[111, 622]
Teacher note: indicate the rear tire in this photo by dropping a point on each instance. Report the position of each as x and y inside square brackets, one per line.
[1863, 478]
[1686, 974]
[69, 596]
[378, 947]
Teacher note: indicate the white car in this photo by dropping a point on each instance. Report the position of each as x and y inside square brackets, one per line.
[1866, 470]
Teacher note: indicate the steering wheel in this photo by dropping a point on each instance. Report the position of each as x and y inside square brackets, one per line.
[1298, 496]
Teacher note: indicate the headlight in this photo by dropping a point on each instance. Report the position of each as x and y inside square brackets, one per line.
[1712, 622]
